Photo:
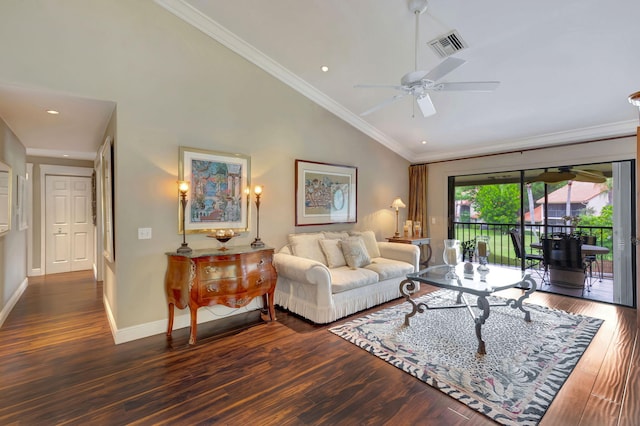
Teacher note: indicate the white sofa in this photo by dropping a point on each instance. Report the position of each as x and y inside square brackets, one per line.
[319, 279]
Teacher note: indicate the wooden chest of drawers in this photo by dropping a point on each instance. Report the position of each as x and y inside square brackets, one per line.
[207, 277]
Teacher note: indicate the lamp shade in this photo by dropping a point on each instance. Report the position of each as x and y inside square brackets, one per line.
[397, 204]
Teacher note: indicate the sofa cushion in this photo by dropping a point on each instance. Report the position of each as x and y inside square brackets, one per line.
[340, 235]
[345, 278]
[389, 268]
[370, 242]
[333, 253]
[355, 252]
[307, 246]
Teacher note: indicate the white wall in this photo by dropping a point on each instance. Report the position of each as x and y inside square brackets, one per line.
[174, 86]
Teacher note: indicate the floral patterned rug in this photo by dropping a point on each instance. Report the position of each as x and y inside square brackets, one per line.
[514, 383]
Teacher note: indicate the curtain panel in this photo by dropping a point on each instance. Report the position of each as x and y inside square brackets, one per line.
[418, 178]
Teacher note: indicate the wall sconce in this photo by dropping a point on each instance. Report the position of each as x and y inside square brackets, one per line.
[257, 243]
[397, 204]
[183, 188]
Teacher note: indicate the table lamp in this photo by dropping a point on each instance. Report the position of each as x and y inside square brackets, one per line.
[397, 204]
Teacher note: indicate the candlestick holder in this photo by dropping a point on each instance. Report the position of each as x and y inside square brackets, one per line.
[482, 252]
[183, 188]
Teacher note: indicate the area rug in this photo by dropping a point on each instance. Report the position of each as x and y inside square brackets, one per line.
[514, 383]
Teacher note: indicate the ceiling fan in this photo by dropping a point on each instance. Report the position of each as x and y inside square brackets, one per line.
[567, 173]
[418, 83]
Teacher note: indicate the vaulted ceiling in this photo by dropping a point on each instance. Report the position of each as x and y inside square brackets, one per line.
[565, 68]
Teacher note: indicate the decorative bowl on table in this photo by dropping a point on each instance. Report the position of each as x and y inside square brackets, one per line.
[223, 236]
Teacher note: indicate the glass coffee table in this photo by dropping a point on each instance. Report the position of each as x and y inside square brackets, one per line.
[480, 285]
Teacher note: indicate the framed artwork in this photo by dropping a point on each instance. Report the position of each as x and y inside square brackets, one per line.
[106, 168]
[325, 193]
[218, 195]
[21, 207]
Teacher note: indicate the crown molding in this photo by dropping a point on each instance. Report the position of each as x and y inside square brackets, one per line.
[183, 10]
[585, 134]
[52, 153]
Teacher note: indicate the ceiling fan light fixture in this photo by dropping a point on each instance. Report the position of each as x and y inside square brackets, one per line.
[418, 6]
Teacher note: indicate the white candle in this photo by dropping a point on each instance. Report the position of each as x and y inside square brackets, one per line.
[482, 249]
[451, 255]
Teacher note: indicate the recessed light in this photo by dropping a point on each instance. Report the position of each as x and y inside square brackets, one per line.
[423, 142]
[324, 68]
[52, 112]
[65, 155]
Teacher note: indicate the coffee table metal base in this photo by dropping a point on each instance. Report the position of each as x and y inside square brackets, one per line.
[407, 287]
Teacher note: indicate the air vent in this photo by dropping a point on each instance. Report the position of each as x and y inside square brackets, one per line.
[448, 44]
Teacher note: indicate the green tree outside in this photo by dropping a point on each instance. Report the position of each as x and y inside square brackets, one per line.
[498, 203]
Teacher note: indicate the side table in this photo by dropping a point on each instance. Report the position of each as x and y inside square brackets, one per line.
[423, 242]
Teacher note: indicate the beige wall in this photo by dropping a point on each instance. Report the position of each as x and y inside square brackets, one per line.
[174, 86]
[594, 152]
[13, 245]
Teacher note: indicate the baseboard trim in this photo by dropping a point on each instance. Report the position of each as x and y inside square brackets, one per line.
[182, 319]
[36, 272]
[11, 303]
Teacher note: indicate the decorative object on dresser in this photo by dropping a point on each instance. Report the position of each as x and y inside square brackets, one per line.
[183, 188]
[257, 242]
[397, 204]
[207, 277]
[325, 193]
[219, 190]
[223, 236]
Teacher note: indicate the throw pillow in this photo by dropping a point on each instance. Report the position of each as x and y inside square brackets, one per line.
[355, 252]
[333, 253]
[369, 238]
[307, 246]
[339, 235]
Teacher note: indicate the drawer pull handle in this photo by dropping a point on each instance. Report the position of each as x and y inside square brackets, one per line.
[212, 289]
[261, 262]
[259, 282]
[210, 269]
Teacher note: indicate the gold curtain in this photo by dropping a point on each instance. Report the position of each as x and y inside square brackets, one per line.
[418, 179]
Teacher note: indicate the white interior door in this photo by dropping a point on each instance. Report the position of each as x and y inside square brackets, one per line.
[69, 228]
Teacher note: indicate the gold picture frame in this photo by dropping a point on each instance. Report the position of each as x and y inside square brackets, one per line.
[218, 196]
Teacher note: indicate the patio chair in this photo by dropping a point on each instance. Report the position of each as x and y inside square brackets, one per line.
[564, 257]
[531, 261]
[590, 259]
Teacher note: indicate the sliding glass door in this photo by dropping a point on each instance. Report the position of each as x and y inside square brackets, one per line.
[592, 201]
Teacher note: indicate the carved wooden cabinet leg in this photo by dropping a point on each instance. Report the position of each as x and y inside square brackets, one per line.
[170, 327]
[194, 325]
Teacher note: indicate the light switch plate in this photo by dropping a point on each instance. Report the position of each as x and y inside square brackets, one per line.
[144, 233]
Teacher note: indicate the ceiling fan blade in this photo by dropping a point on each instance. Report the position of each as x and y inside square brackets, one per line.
[554, 177]
[594, 176]
[426, 106]
[383, 104]
[377, 86]
[444, 68]
[468, 86]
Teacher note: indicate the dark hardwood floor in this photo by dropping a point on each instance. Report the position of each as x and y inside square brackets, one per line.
[59, 365]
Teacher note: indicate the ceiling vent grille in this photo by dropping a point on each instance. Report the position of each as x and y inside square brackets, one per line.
[448, 44]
